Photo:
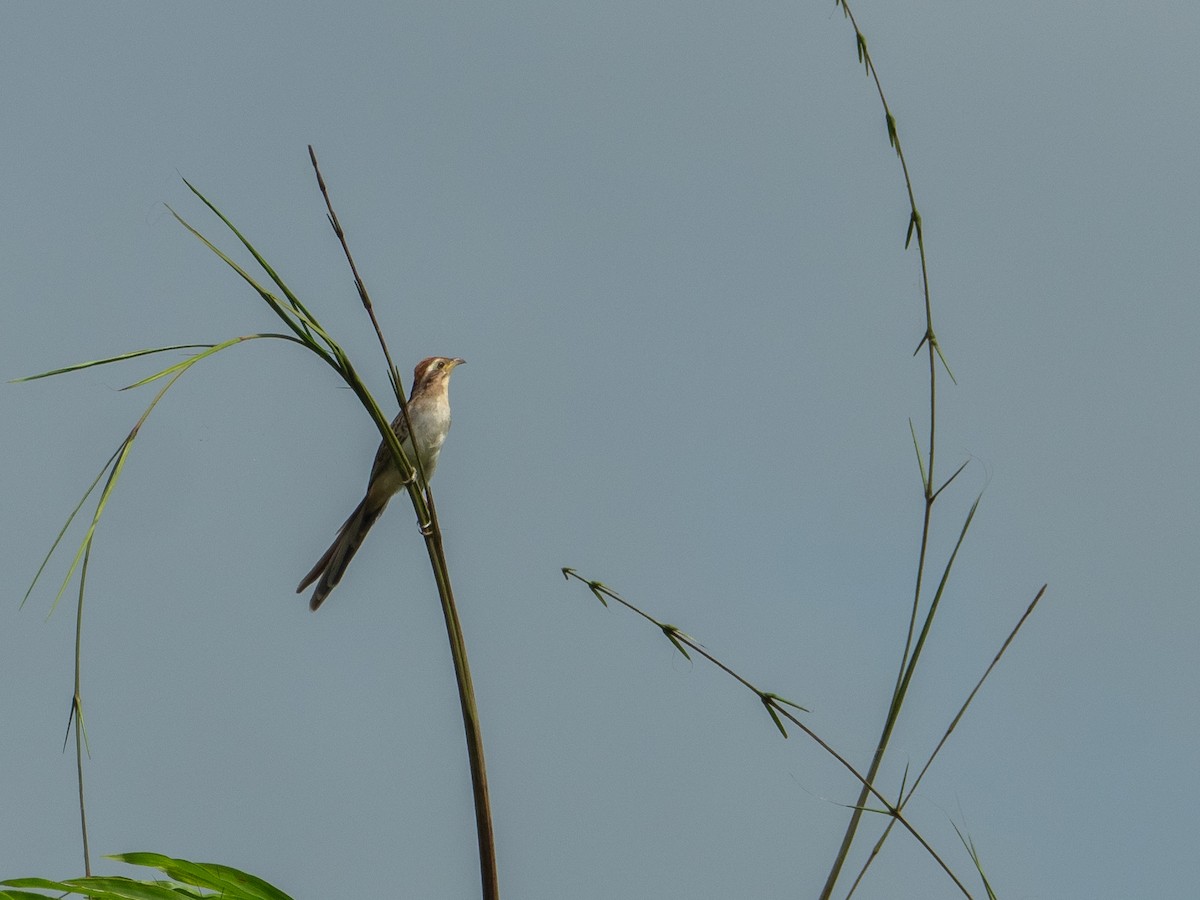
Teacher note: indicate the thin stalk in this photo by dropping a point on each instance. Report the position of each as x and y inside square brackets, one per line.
[116, 462]
[359, 284]
[971, 697]
[365, 297]
[776, 706]
[489, 878]
[77, 712]
[929, 340]
[426, 512]
[905, 797]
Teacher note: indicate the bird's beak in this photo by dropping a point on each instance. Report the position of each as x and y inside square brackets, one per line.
[457, 361]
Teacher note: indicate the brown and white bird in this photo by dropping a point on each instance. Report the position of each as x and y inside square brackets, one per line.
[429, 413]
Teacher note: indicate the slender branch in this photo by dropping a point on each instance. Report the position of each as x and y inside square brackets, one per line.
[423, 505]
[776, 706]
[971, 697]
[466, 694]
[365, 297]
[929, 340]
[945, 737]
[77, 711]
[358, 282]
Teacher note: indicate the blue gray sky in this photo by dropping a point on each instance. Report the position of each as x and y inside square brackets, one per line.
[668, 239]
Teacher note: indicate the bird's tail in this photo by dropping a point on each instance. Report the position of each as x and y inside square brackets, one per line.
[332, 565]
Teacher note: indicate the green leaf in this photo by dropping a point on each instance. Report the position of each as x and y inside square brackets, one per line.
[920, 458]
[111, 359]
[44, 883]
[304, 316]
[62, 532]
[297, 318]
[233, 883]
[671, 632]
[775, 718]
[209, 350]
[103, 887]
[969, 843]
[777, 699]
[946, 365]
[946, 483]
[596, 587]
[913, 225]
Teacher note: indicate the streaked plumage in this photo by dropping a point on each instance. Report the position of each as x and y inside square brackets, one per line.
[429, 412]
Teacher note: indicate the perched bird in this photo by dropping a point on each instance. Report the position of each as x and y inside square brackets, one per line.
[429, 413]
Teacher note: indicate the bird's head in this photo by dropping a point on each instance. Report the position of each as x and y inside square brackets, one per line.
[434, 373]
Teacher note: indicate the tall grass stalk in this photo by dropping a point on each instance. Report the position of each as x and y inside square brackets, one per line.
[910, 655]
[302, 328]
[925, 604]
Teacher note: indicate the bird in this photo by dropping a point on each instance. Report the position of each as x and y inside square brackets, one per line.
[429, 414]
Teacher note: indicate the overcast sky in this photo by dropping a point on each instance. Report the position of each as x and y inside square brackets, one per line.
[668, 239]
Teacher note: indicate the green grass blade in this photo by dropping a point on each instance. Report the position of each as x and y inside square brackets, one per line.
[44, 884]
[920, 458]
[946, 365]
[117, 461]
[297, 319]
[673, 635]
[115, 465]
[63, 531]
[937, 599]
[775, 718]
[116, 887]
[974, 854]
[209, 350]
[946, 483]
[978, 686]
[293, 300]
[233, 883]
[776, 698]
[99, 888]
[86, 544]
[103, 362]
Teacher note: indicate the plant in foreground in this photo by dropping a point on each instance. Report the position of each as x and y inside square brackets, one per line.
[394, 470]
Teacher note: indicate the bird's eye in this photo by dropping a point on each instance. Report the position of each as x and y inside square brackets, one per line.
[441, 364]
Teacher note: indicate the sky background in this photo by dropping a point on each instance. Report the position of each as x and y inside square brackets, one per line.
[668, 239]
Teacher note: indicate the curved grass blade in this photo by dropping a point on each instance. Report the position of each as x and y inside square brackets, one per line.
[63, 531]
[297, 318]
[116, 462]
[209, 350]
[937, 598]
[109, 887]
[103, 362]
[293, 300]
[230, 881]
[974, 854]
[227, 882]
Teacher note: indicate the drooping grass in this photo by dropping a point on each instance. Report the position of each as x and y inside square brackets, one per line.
[303, 328]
